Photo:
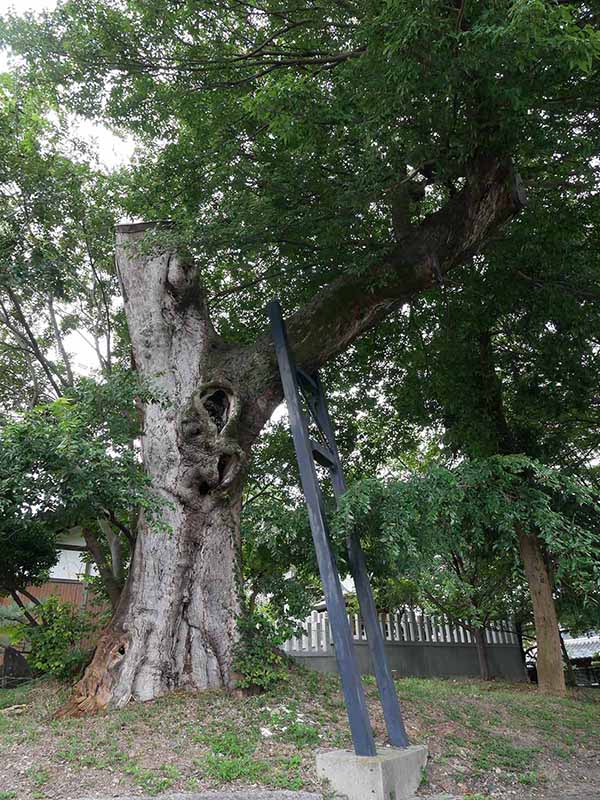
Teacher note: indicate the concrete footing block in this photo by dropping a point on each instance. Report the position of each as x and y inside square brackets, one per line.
[393, 774]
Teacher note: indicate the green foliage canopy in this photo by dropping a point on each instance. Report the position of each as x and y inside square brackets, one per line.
[294, 142]
[57, 211]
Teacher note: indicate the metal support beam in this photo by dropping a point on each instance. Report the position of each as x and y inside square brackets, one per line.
[308, 451]
[356, 706]
[375, 641]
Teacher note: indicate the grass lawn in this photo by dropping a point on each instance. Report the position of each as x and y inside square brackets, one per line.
[486, 740]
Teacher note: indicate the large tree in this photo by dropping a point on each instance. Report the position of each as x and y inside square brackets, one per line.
[73, 444]
[56, 275]
[346, 155]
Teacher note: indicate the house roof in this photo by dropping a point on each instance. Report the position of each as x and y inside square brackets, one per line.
[583, 646]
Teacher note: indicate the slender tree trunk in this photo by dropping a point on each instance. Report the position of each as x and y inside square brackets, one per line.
[482, 654]
[31, 619]
[551, 679]
[29, 596]
[519, 633]
[113, 588]
[571, 679]
[115, 545]
[116, 555]
[59, 343]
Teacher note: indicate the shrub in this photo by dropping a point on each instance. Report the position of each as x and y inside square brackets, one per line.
[57, 643]
[257, 659]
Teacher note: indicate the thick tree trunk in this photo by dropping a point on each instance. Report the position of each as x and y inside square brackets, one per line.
[551, 679]
[176, 621]
[175, 626]
[482, 654]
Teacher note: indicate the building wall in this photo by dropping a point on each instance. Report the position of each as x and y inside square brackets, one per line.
[66, 576]
[68, 591]
[70, 566]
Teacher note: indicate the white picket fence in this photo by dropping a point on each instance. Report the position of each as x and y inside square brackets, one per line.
[409, 627]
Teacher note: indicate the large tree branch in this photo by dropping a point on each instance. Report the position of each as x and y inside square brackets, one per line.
[354, 303]
[59, 341]
[332, 320]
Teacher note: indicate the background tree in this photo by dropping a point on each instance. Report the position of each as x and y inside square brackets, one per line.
[73, 438]
[69, 465]
[57, 278]
[456, 533]
[28, 543]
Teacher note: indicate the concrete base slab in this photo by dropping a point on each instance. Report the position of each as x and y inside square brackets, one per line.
[393, 774]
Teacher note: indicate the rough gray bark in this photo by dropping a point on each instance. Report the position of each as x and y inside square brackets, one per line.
[175, 624]
[176, 621]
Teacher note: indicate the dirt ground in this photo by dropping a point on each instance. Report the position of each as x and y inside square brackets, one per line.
[486, 740]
